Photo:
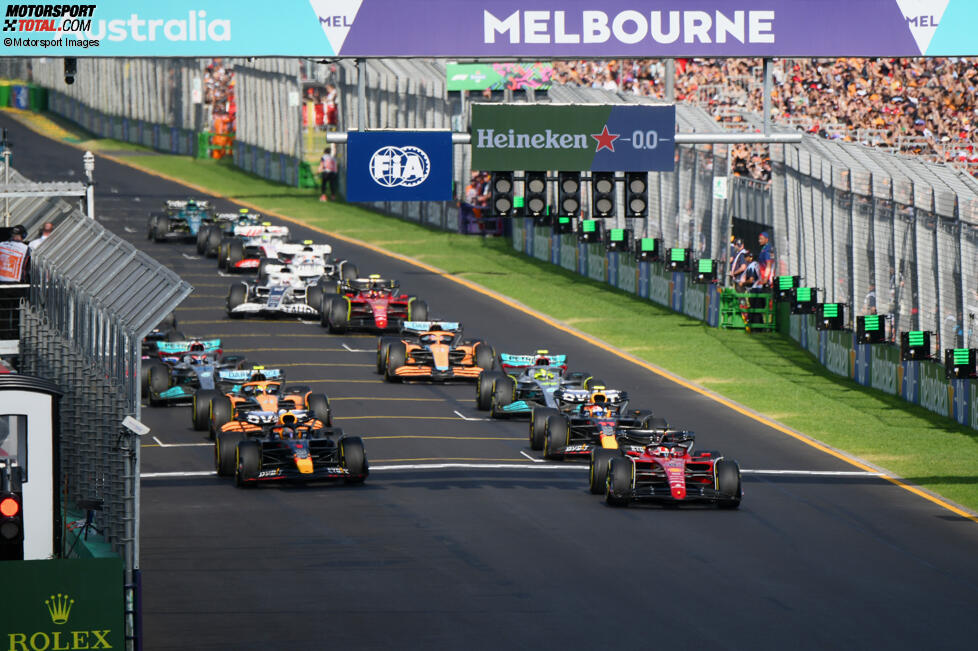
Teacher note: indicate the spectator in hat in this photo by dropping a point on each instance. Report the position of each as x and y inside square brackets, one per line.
[14, 256]
[738, 264]
[46, 230]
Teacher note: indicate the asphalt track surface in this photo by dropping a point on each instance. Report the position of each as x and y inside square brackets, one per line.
[516, 554]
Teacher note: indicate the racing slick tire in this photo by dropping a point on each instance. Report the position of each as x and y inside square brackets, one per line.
[214, 237]
[219, 414]
[200, 408]
[598, 474]
[354, 459]
[236, 253]
[226, 453]
[318, 404]
[314, 297]
[383, 344]
[263, 265]
[247, 462]
[592, 382]
[538, 426]
[151, 226]
[483, 389]
[159, 381]
[337, 316]
[728, 483]
[222, 254]
[396, 358]
[484, 357]
[619, 485]
[417, 310]
[503, 392]
[145, 374]
[555, 438]
[202, 234]
[349, 271]
[237, 295]
[160, 230]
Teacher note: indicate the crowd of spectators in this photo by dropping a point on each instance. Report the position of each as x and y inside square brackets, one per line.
[219, 95]
[320, 109]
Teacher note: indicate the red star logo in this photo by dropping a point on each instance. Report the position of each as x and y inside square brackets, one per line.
[605, 139]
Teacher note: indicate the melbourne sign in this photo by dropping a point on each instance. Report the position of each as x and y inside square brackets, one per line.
[63, 605]
[533, 29]
[594, 137]
[399, 166]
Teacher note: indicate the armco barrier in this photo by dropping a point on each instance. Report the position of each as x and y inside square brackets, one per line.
[877, 366]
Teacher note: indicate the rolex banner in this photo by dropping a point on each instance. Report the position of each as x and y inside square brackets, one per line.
[628, 138]
[62, 604]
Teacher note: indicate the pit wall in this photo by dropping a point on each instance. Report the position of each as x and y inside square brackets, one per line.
[877, 366]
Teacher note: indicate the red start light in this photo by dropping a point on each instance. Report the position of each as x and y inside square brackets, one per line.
[9, 507]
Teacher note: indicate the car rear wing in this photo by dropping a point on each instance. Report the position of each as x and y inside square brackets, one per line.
[177, 347]
[245, 375]
[178, 204]
[291, 248]
[419, 327]
[520, 362]
[664, 437]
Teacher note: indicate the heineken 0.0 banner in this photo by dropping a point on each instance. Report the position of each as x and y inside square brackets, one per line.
[63, 604]
[498, 76]
[613, 138]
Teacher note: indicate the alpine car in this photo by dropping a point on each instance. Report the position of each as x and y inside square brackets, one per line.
[584, 420]
[661, 466]
[178, 220]
[284, 293]
[371, 303]
[261, 390]
[182, 367]
[527, 382]
[248, 244]
[221, 226]
[290, 446]
[433, 351]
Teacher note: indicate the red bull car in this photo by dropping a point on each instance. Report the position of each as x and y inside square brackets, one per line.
[371, 303]
[661, 466]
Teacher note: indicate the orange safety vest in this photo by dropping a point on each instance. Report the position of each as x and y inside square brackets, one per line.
[12, 258]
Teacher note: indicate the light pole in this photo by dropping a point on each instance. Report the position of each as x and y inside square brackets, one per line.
[89, 160]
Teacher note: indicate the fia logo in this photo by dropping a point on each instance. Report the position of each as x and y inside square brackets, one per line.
[404, 167]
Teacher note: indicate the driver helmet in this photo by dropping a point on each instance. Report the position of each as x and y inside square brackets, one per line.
[542, 374]
[596, 410]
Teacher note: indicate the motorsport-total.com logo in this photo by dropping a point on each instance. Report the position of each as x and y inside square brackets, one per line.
[404, 167]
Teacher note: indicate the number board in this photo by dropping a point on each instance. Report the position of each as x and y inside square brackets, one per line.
[592, 137]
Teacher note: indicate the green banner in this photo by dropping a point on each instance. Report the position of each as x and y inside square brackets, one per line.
[499, 76]
[62, 605]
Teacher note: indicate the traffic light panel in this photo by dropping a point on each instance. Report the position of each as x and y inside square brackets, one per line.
[784, 285]
[11, 527]
[649, 249]
[706, 271]
[805, 300]
[870, 329]
[591, 231]
[501, 186]
[563, 225]
[619, 239]
[915, 345]
[535, 194]
[603, 191]
[959, 363]
[569, 194]
[678, 259]
[636, 194]
[831, 316]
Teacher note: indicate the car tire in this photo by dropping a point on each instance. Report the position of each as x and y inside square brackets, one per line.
[396, 358]
[417, 310]
[383, 344]
[200, 408]
[483, 389]
[318, 404]
[598, 475]
[354, 459]
[538, 426]
[236, 253]
[503, 392]
[349, 271]
[144, 376]
[314, 297]
[339, 315]
[484, 356]
[555, 438]
[214, 237]
[222, 254]
[160, 230]
[263, 265]
[220, 414]
[226, 453]
[247, 464]
[159, 381]
[728, 483]
[151, 227]
[202, 234]
[619, 485]
[237, 295]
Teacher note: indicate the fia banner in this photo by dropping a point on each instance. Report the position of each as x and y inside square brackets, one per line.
[399, 166]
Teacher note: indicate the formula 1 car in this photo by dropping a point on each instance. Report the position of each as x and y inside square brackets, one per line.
[178, 220]
[244, 250]
[312, 262]
[435, 351]
[222, 225]
[182, 367]
[371, 303]
[527, 382]
[262, 390]
[586, 419]
[165, 330]
[660, 466]
[290, 446]
[283, 293]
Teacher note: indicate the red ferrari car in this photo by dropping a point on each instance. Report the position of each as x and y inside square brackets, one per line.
[372, 303]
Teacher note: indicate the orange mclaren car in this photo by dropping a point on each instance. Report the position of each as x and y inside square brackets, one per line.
[434, 351]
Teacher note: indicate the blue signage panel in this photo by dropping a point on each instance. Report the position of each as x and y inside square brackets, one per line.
[399, 166]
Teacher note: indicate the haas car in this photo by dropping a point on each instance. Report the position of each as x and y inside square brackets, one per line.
[527, 382]
[434, 351]
[291, 445]
[178, 220]
[180, 368]
[661, 466]
[585, 419]
[244, 249]
[284, 292]
[371, 303]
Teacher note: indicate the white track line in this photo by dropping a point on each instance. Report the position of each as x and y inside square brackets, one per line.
[358, 350]
[534, 460]
[129, 230]
[190, 257]
[464, 417]
[180, 445]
